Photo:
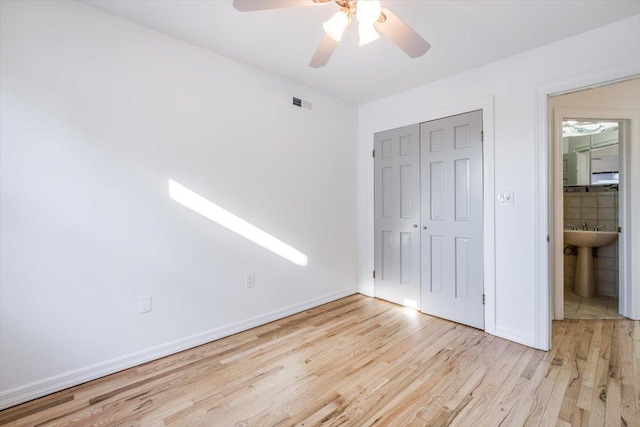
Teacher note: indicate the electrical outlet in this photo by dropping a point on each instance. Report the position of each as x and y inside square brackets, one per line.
[250, 280]
[145, 304]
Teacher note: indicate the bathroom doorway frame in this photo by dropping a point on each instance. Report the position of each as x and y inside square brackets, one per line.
[543, 301]
[624, 117]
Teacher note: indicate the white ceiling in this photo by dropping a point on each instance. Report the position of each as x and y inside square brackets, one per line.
[463, 35]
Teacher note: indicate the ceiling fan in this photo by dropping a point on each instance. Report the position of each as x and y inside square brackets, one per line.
[370, 14]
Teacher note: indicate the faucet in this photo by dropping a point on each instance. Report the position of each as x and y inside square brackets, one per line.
[584, 226]
[599, 227]
[573, 227]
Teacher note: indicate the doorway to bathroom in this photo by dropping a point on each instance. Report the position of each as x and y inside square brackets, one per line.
[590, 187]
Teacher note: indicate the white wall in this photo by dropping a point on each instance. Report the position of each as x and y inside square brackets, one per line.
[512, 83]
[97, 114]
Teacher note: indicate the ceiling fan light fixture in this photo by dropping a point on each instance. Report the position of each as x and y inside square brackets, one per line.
[335, 26]
[367, 33]
[368, 11]
[372, 19]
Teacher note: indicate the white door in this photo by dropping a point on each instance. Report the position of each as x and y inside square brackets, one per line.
[451, 211]
[397, 215]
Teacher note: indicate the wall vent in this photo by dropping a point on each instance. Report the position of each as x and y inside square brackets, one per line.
[301, 103]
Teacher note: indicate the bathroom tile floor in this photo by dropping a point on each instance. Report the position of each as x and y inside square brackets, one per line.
[598, 307]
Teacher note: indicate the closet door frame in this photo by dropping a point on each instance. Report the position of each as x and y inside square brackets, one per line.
[367, 259]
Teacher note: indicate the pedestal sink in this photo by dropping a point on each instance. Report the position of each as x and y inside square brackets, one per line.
[585, 284]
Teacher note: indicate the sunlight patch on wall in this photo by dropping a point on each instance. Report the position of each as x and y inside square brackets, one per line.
[220, 216]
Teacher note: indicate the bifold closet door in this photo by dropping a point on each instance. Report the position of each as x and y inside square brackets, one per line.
[397, 215]
[451, 223]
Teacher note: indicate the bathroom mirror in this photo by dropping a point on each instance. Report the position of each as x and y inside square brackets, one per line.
[590, 152]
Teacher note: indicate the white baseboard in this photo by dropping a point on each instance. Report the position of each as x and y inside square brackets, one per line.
[515, 336]
[56, 383]
[366, 292]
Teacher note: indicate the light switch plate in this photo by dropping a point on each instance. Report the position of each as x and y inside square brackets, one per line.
[505, 198]
[145, 304]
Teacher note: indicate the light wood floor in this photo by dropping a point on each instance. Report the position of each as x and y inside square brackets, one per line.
[361, 362]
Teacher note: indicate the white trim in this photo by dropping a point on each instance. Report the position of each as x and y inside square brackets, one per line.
[541, 229]
[630, 219]
[488, 162]
[69, 379]
[515, 336]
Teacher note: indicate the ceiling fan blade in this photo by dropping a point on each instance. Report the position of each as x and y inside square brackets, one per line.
[402, 35]
[252, 5]
[323, 52]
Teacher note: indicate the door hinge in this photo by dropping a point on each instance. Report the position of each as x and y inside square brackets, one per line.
[547, 237]
[482, 135]
[374, 274]
[482, 299]
[373, 153]
[619, 229]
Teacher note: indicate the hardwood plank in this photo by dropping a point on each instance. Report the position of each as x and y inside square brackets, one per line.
[498, 409]
[588, 382]
[527, 386]
[487, 390]
[453, 368]
[569, 410]
[35, 406]
[552, 410]
[613, 406]
[599, 395]
[361, 361]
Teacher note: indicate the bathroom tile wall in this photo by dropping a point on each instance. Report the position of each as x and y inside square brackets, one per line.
[597, 206]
